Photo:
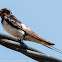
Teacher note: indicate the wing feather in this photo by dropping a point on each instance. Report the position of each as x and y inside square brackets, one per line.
[17, 24]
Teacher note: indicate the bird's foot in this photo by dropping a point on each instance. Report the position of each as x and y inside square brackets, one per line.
[20, 41]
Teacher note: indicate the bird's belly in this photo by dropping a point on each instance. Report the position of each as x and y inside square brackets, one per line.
[11, 30]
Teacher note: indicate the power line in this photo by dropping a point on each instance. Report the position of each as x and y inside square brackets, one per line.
[13, 43]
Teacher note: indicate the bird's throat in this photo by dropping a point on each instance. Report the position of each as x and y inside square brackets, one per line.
[1, 15]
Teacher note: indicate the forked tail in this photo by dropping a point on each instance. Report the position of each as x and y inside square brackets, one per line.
[53, 48]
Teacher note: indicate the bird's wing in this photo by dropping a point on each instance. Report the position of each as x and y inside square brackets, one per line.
[30, 35]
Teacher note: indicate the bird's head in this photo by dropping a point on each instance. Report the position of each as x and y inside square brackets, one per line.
[5, 12]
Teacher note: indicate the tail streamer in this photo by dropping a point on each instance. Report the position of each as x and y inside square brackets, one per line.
[53, 48]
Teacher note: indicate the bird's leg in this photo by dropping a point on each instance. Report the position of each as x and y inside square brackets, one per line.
[20, 40]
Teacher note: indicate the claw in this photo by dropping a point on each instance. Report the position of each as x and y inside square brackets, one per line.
[20, 41]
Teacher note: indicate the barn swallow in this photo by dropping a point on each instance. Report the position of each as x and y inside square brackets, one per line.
[17, 29]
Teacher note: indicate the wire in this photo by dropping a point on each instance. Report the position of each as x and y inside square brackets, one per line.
[25, 49]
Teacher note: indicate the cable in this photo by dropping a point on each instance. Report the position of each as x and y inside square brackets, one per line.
[28, 51]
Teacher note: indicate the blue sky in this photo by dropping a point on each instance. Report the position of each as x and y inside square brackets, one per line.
[42, 16]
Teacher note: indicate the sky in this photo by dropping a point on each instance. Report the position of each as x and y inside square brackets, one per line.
[44, 17]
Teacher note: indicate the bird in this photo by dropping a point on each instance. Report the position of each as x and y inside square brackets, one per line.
[19, 30]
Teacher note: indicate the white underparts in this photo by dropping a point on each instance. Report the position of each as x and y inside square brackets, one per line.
[13, 31]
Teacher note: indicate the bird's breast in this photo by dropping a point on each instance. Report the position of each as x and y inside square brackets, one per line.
[11, 30]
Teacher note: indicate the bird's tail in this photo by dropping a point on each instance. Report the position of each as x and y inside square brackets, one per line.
[39, 40]
[43, 42]
[50, 46]
[53, 48]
